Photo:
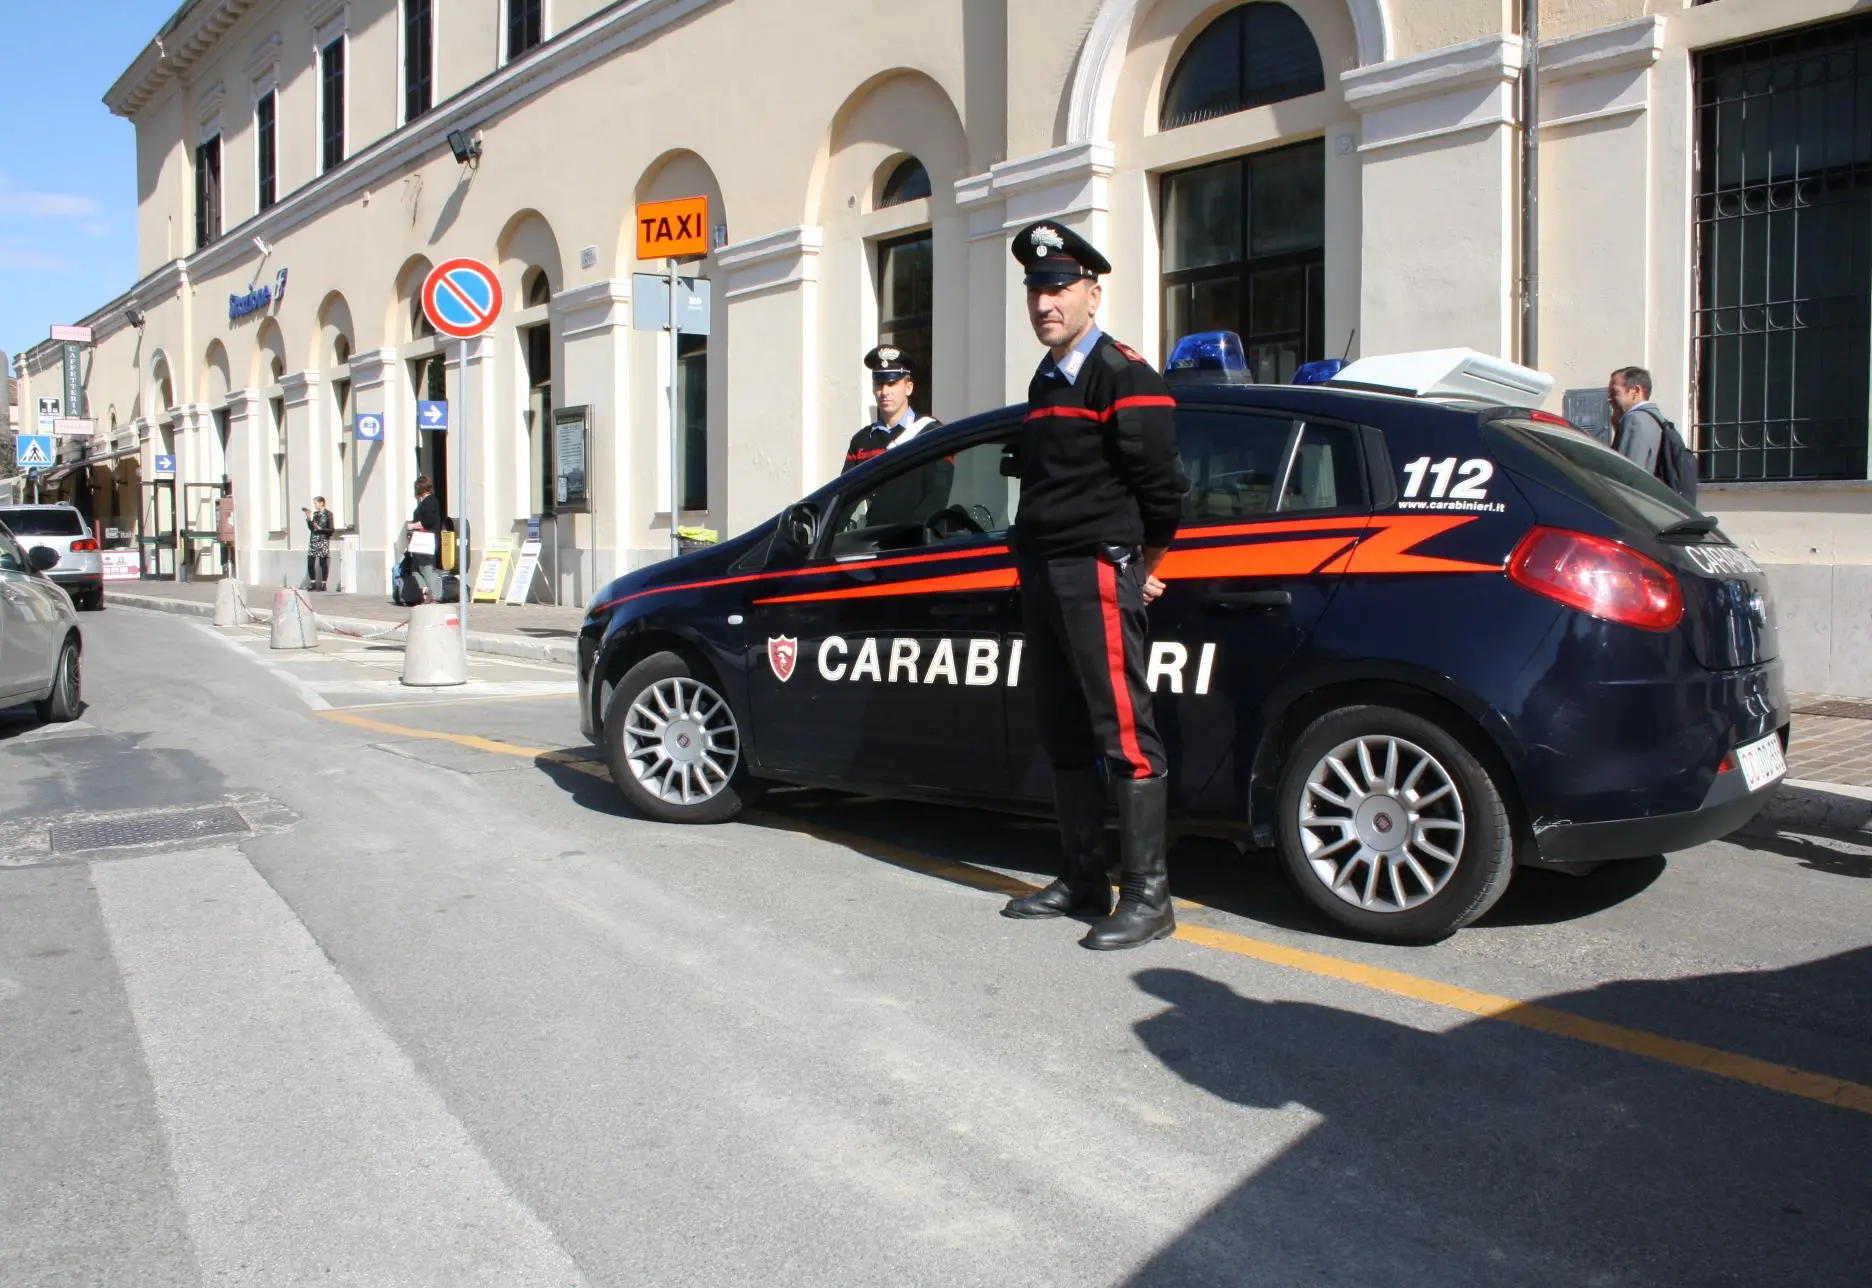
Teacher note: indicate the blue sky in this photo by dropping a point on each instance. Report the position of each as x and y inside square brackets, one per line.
[68, 167]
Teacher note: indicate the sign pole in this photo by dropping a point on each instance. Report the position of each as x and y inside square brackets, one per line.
[675, 475]
[460, 431]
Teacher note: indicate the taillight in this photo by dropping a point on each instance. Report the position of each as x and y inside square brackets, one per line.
[1548, 418]
[1728, 763]
[1599, 577]
[84, 543]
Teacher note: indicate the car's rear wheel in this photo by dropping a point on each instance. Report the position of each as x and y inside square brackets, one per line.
[674, 744]
[92, 601]
[1391, 826]
[67, 697]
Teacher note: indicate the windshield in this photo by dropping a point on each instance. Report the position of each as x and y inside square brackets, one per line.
[1569, 462]
[44, 521]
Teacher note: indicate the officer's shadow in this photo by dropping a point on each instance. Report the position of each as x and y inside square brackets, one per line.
[1489, 1155]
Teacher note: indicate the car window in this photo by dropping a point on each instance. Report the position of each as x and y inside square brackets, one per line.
[1586, 470]
[46, 521]
[12, 558]
[1234, 460]
[1326, 472]
[935, 501]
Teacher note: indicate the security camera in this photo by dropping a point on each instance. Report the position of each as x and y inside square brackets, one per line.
[465, 148]
[260, 244]
[134, 317]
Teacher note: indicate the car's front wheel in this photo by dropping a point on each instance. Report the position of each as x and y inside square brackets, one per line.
[66, 700]
[1391, 826]
[674, 744]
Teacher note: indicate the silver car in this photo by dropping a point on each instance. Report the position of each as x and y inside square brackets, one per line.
[80, 568]
[40, 644]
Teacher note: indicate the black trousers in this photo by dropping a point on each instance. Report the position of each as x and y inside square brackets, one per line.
[318, 567]
[1084, 658]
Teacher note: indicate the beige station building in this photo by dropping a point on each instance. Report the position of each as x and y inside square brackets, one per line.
[1322, 176]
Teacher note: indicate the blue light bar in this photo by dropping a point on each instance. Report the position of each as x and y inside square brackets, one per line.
[1208, 357]
[1318, 373]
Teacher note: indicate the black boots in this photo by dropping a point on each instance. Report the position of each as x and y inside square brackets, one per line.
[1144, 892]
[1079, 800]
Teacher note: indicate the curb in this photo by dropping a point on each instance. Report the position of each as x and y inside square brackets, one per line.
[1820, 807]
[556, 652]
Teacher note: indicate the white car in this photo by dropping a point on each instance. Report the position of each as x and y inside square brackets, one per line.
[40, 644]
[80, 569]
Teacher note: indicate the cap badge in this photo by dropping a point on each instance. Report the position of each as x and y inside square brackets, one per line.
[1043, 237]
[888, 354]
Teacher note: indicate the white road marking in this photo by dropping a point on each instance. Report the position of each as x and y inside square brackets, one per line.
[306, 1147]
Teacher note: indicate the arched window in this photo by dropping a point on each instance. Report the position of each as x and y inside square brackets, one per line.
[1253, 55]
[907, 182]
[538, 288]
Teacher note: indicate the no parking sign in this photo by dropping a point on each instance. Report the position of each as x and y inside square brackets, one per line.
[461, 297]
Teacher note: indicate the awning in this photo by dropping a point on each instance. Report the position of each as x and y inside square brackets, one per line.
[105, 458]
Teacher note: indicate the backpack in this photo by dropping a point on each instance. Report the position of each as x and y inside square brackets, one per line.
[1676, 463]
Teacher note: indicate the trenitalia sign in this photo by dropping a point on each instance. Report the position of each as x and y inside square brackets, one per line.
[255, 301]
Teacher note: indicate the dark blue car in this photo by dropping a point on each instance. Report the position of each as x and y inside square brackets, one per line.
[1408, 642]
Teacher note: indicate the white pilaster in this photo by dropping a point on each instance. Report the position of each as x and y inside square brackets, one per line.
[593, 325]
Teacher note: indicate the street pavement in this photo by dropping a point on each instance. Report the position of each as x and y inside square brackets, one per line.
[306, 977]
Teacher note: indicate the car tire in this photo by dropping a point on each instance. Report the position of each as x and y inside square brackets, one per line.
[673, 743]
[93, 602]
[1361, 777]
[67, 697]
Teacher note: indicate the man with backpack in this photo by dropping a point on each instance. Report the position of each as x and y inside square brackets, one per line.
[1645, 438]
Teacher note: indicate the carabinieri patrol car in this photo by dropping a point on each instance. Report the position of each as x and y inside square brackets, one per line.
[1415, 634]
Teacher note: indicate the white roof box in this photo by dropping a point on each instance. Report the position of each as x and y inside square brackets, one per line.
[1449, 373]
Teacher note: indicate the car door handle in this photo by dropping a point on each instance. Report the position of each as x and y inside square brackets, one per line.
[1245, 601]
[961, 610]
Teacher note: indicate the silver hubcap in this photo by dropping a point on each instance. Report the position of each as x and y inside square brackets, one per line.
[681, 741]
[1382, 824]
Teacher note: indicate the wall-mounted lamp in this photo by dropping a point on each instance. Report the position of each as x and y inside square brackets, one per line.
[467, 149]
[134, 317]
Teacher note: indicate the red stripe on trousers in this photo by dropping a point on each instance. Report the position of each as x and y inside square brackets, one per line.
[1115, 663]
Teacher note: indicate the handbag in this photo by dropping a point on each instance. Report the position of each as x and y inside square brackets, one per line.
[422, 543]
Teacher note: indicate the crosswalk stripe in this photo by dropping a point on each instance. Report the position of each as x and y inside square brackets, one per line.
[305, 1144]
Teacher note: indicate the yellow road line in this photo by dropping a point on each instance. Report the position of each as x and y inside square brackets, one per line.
[1765, 1074]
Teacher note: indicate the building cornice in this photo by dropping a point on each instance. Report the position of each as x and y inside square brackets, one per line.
[372, 367]
[298, 387]
[1623, 46]
[597, 306]
[192, 32]
[773, 260]
[1473, 64]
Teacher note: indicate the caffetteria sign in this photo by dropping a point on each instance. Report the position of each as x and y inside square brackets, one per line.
[239, 306]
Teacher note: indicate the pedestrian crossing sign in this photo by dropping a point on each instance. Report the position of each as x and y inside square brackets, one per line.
[32, 451]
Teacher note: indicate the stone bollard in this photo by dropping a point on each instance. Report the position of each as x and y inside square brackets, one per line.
[230, 603]
[293, 623]
[432, 651]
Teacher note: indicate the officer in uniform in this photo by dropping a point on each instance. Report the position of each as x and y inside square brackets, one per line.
[913, 497]
[1102, 490]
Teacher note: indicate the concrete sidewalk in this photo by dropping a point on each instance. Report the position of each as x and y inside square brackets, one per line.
[537, 632]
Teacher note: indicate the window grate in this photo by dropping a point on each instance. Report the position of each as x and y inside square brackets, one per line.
[332, 103]
[1784, 261]
[266, 160]
[418, 58]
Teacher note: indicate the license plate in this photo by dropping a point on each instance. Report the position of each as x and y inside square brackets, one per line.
[1762, 762]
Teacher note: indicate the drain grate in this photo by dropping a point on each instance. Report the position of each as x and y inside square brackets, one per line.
[156, 828]
[1836, 707]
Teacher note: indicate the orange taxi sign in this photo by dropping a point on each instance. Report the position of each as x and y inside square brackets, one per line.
[672, 229]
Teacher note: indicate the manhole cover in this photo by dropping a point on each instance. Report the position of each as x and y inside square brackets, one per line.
[164, 827]
[1838, 707]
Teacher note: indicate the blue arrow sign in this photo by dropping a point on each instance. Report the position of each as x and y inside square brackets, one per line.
[432, 415]
[32, 451]
[369, 427]
[165, 466]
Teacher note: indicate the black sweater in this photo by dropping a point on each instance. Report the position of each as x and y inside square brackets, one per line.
[1098, 458]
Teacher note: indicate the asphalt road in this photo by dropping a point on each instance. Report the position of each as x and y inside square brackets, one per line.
[407, 998]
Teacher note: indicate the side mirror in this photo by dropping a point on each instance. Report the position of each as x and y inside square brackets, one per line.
[42, 558]
[799, 526]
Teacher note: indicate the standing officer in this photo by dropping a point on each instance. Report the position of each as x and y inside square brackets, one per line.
[896, 422]
[1101, 495]
[914, 496]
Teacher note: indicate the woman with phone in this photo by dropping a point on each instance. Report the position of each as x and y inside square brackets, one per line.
[318, 550]
[425, 540]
